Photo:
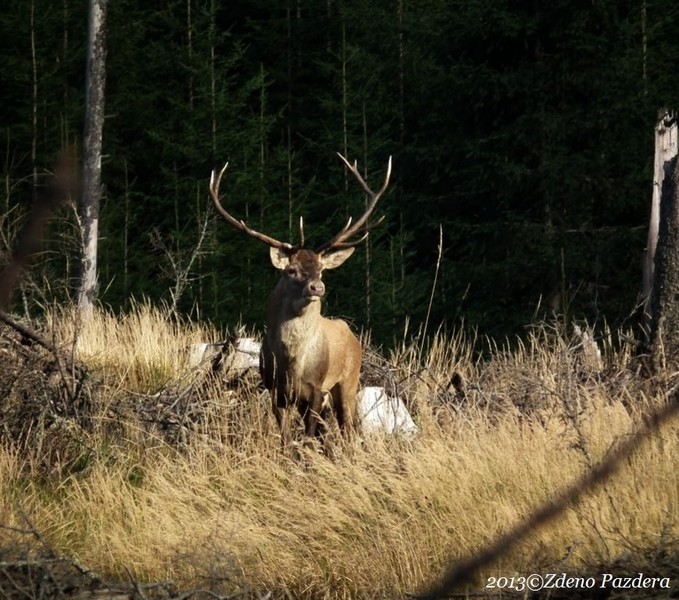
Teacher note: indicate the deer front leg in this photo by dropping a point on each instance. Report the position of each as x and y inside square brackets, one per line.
[313, 419]
[282, 414]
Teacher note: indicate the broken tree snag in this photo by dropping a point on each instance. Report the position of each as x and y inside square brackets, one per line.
[664, 306]
[665, 151]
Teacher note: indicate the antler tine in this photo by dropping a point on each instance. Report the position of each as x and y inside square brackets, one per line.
[366, 232]
[215, 182]
[349, 230]
[354, 170]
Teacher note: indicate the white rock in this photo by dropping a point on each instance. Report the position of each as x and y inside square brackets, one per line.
[380, 413]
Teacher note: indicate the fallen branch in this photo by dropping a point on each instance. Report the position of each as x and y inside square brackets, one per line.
[462, 572]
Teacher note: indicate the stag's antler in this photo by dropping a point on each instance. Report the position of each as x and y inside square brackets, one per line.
[342, 239]
[215, 181]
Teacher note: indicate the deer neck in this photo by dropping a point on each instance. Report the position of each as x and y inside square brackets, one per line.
[293, 323]
[284, 306]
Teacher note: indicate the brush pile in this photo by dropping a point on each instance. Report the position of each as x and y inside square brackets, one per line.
[45, 395]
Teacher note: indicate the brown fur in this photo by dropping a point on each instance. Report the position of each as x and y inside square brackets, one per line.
[305, 357]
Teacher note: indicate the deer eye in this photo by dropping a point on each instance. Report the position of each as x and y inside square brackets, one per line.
[292, 272]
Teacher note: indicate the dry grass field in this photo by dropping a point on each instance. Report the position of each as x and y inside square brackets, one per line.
[169, 472]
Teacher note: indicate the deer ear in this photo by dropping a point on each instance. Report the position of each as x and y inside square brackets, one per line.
[280, 257]
[335, 259]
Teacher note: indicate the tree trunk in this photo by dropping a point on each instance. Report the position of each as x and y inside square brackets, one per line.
[665, 151]
[92, 143]
[664, 297]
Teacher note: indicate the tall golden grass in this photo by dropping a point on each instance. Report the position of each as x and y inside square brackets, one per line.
[384, 517]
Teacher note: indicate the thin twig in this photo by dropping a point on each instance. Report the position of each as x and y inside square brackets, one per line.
[433, 287]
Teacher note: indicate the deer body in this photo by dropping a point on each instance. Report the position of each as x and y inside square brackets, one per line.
[309, 362]
[306, 357]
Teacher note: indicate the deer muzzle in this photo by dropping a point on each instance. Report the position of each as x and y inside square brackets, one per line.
[314, 290]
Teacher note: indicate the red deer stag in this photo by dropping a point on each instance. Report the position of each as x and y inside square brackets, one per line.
[307, 361]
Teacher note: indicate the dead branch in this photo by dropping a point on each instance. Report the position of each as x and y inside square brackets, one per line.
[462, 572]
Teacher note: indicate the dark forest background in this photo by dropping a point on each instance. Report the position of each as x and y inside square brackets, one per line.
[523, 130]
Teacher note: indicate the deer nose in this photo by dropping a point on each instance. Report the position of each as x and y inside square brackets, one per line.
[316, 288]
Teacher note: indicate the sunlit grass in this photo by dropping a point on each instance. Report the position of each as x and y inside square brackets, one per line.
[141, 350]
[379, 520]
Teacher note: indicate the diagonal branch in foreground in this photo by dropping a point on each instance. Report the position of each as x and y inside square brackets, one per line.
[463, 571]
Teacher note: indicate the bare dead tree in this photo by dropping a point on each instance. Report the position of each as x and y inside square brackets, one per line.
[666, 138]
[92, 145]
[662, 261]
